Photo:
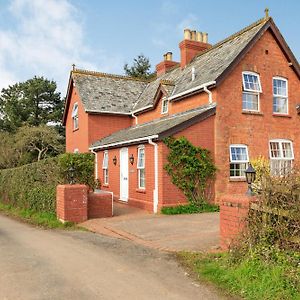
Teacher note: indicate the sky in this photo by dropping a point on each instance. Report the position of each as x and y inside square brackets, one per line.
[45, 37]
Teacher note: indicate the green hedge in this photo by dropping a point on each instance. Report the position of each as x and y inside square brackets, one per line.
[33, 186]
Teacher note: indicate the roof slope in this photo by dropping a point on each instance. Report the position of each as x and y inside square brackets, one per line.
[159, 127]
[101, 92]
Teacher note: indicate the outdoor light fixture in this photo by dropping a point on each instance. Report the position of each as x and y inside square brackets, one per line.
[131, 159]
[250, 178]
[115, 160]
[71, 175]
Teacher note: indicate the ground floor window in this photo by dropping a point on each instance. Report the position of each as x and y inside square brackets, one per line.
[105, 167]
[281, 156]
[239, 160]
[141, 167]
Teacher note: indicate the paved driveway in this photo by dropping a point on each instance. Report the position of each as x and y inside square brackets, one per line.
[43, 264]
[173, 233]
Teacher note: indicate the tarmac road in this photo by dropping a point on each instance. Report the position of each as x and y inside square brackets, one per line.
[53, 264]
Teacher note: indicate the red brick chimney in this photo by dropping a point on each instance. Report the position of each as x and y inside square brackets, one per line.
[194, 43]
[166, 64]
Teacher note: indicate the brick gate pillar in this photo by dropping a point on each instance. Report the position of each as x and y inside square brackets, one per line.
[71, 202]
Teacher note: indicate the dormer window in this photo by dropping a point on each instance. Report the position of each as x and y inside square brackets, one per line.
[75, 116]
[251, 91]
[165, 105]
[280, 95]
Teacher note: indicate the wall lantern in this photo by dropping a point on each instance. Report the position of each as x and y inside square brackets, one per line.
[71, 175]
[250, 178]
[131, 159]
[115, 160]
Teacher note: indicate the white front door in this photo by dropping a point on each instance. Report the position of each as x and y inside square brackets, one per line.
[124, 174]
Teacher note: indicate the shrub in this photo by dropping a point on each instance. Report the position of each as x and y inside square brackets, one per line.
[83, 166]
[31, 186]
[191, 169]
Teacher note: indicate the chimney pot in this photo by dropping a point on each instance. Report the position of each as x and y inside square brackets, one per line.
[193, 35]
[199, 37]
[165, 57]
[169, 56]
[187, 34]
[205, 37]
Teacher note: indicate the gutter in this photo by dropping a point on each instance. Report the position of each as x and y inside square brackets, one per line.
[96, 163]
[194, 89]
[155, 191]
[124, 142]
[135, 117]
[206, 90]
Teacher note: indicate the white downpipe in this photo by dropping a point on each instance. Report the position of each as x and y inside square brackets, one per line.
[155, 191]
[135, 117]
[96, 163]
[210, 100]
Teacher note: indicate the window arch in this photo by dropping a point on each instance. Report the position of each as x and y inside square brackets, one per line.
[75, 116]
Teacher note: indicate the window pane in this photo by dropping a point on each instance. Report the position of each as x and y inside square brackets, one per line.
[251, 82]
[239, 154]
[287, 150]
[250, 101]
[275, 151]
[280, 105]
[141, 158]
[142, 178]
[105, 160]
[238, 170]
[280, 167]
[279, 87]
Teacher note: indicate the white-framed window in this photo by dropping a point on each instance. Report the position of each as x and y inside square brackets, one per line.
[105, 167]
[281, 156]
[280, 95]
[141, 167]
[164, 105]
[251, 91]
[239, 160]
[75, 116]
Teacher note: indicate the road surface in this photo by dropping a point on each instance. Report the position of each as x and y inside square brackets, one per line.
[52, 264]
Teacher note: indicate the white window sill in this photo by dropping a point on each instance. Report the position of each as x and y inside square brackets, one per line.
[237, 179]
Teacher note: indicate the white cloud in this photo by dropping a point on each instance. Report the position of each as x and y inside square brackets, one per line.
[47, 39]
[190, 21]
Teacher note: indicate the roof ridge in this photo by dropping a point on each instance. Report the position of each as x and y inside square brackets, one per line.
[233, 36]
[107, 75]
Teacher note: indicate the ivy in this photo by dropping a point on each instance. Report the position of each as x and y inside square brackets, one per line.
[191, 169]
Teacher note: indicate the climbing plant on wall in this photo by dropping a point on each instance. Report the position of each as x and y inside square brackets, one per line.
[191, 169]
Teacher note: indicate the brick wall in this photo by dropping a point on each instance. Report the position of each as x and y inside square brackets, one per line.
[233, 218]
[71, 203]
[77, 139]
[255, 130]
[100, 205]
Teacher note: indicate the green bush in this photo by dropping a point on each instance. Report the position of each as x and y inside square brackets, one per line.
[83, 166]
[33, 186]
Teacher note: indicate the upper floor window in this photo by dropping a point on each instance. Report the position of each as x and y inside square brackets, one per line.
[239, 160]
[251, 90]
[281, 156]
[141, 167]
[280, 95]
[75, 116]
[105, 167]
[164, 105]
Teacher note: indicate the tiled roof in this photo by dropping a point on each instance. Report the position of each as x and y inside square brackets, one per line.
[160, 127]
[120, 94]
[102, 92]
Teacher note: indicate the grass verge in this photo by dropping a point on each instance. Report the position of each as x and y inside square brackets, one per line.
[41, 219]
[189, 209]
[251, 278]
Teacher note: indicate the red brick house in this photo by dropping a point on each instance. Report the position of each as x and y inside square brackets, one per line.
[239, 99]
